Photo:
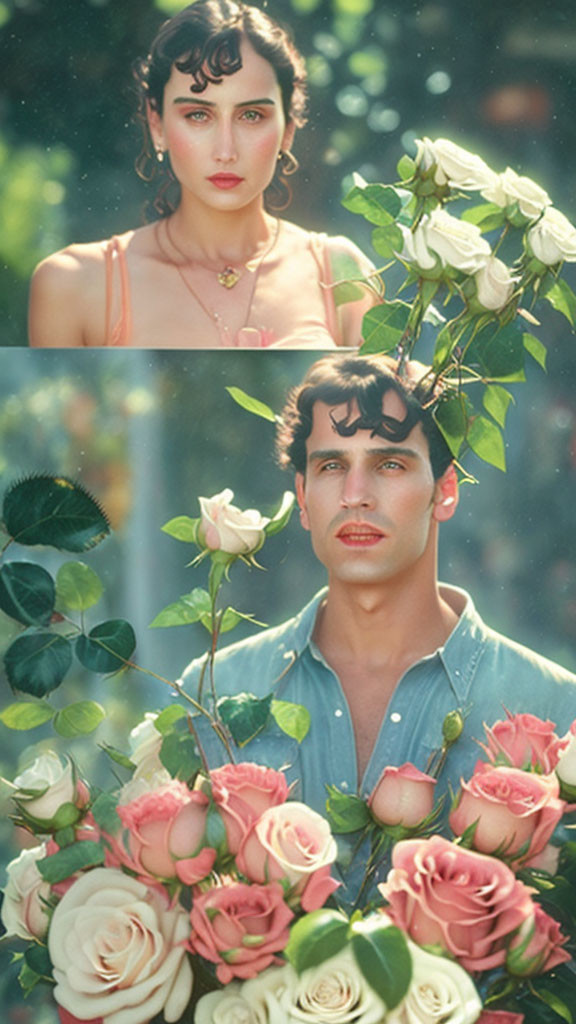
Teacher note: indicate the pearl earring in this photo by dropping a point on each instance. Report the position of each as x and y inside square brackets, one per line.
[160, 155]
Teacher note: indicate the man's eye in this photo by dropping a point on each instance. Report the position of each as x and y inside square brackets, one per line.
[391, 464]
[329, 466]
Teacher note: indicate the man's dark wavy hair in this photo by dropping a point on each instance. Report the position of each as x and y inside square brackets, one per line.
[363, 380]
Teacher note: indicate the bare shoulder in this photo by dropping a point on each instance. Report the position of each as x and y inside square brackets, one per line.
[344, 249]
[67, 296]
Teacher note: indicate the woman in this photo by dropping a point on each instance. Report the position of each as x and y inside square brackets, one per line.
[223, 91]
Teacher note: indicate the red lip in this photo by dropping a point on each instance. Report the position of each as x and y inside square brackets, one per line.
[225, 180]
[359, 535]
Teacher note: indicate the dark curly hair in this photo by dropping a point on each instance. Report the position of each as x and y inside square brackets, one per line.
[203, 41]
[363, 380]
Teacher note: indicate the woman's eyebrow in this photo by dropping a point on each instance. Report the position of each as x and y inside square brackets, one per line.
[263, 101]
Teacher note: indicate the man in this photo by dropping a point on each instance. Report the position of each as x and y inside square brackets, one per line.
[383, 654]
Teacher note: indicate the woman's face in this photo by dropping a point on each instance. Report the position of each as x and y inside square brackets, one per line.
[224, 142]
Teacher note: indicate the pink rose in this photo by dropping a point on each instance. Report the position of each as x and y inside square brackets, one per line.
[467, 903]
[516, 812]
[402, 796]
[523, 741]
[500, 1017]
[293, 844]
[537, 946]
[240, 928]
[242, 793]
[165, 835]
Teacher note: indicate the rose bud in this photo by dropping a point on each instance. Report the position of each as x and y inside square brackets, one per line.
[402, 796]
[537, 946]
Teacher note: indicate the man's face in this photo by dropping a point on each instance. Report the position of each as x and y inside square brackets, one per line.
[370, 504]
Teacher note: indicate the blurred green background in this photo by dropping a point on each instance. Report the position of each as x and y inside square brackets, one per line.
[148, 432]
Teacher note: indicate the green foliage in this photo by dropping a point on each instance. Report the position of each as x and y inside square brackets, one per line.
[485, 439]
[179, 756]
[346, 813]
[27, 593]
[183, 528]
[79, 719]
[378, 204]
[253, 405]
[536, 349]
[245, 715]
[384, 326]
[38, 961]
[54, 511]
[292, 719]
[496, 401]
[383, 956]
[76, 857]
[315, 938]
[107, 647]
[26, 714]
[562, 298]
[78, 587]
[387, 241]
[498, 353]
[281, 518]
[193, 607]
[451, 416]
[36, 663]
[104, 812]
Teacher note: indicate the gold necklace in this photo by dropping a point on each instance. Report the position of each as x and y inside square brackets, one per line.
[212, 314]
[229, 276]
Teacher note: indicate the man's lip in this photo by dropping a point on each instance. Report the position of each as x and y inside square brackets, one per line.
[360, 533]
[225, 180]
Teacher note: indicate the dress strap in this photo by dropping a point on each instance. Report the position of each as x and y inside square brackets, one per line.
[321, 252]
[118, 306]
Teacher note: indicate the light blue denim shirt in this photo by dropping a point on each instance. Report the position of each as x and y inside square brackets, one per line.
[476, 671]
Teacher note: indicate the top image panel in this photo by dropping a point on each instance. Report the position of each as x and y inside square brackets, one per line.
[224, 175]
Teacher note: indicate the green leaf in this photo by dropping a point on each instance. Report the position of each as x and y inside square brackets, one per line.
[107, 647]
[293, 719]
[443, 349]
[27, 593]
[406, 167]
[536, 349]
[78, 587]
[168, 718]
[496, 401]
[245, 715]
[253, 405]
[117, 756]
[345, 274]
[215, 832]
[383, 326]
[26, 714]
[231, 618]
[387, 241]
[487, 216]
[187, 609]
[183, 528]
[281, 518]
[79, 719]
[451, 417]
[54, 511]
[315, 938]
[382, 954]
[179, 756]
[36, 663]
[378, 204]
[38, 960]
[563, 299]
[556, 1004]
[498, 353]
[104, 812]
[485, 439]
[60, 866]
[346, 813]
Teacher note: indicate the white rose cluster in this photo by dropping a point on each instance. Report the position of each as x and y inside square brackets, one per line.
[441, 240]
[453, 165]
[336, 992]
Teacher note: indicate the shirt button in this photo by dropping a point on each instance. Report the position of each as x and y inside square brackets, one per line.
[338, 713]
[395, 717]
[344, 785]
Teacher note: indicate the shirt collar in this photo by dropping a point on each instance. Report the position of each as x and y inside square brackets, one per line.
[460, 655]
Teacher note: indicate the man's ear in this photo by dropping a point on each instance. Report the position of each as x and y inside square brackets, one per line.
[300, 496]
[446, 495]
[155, 126]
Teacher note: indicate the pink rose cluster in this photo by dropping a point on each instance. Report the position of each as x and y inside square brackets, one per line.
[219, 871]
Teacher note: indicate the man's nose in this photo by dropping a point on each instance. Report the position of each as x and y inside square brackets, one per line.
[357, 491]
[224, 143]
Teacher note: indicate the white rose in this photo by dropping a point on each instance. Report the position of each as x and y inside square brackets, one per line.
[553, 238]
[145, 744]
[335, 991]
[226, 528]
[509, 188]
[44, 787]
[457, 244]
[117, 950]
[454, 166]
[139, 785]
[415, 249]
[494, 284]
[23, 908]
[566, 767]
[251, 1002]
[440, 991]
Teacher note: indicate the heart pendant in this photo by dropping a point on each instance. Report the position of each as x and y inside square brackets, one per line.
[228, 277]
